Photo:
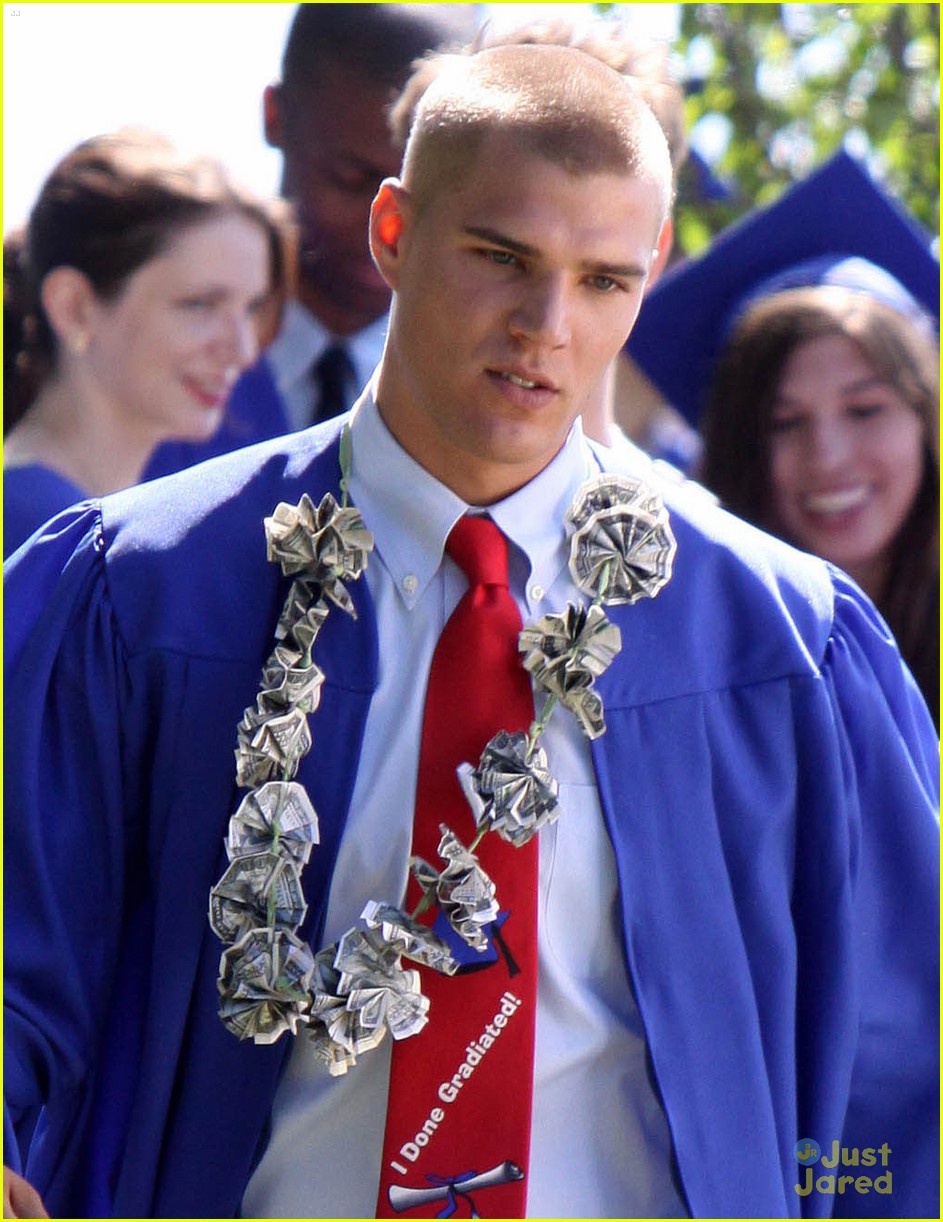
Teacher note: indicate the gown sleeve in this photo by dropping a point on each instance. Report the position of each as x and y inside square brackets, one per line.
[69, 838]
[890, 762]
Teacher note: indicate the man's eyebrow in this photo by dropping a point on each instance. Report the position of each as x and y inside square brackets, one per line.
[501, 239]
[531, 252]
[627, 270]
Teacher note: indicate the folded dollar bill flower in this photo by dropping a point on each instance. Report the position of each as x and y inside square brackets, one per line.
[565, 653]
[511, 792]
[264, 984]
[361, 992]
[350, 995]
[621, 545]
[377, 987]
[270, 745]
[331, 1028]
[328, 544]
[409, 937]
[288, 681]
[303, 616]
[278, 818]
[260, 889]
[463, 891]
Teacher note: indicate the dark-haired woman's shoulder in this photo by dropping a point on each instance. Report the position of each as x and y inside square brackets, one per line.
[32, 494]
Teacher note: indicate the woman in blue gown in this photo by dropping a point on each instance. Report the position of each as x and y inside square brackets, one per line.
[139, 290]
[830, 383]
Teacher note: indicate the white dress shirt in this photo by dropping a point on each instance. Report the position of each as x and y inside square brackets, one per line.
[301, 340]
[600, 1141]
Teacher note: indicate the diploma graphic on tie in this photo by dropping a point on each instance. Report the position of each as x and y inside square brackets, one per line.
[450, 1188]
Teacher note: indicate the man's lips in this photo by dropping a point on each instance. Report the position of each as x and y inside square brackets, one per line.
[367, 276]
[525, 379]
[524, 389]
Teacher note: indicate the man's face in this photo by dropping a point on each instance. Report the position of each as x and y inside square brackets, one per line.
[513, 292]
[337, 149]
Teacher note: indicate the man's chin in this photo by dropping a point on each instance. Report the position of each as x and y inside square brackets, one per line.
[341, 300]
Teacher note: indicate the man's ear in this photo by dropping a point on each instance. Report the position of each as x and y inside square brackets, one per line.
[390, 217]
[662, 251]
[69, 302]
[273, 121]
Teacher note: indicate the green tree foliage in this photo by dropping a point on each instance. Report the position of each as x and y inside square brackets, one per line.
[774, 89]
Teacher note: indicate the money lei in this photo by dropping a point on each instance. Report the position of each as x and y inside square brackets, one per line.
[349, 995]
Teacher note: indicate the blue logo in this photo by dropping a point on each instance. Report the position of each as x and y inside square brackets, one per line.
[808, 1152]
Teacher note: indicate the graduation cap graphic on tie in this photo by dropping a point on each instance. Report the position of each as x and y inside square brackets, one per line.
[835, 226]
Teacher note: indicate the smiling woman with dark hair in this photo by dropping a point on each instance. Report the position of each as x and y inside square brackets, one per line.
[139, 291]
[822, 426]
[811, 364]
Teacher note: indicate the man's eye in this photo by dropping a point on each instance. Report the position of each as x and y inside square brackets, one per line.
[503, 258]
[355, 181]
[603, 284]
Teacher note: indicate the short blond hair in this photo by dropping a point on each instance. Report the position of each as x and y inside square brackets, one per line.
[645, 62]
[555, 101]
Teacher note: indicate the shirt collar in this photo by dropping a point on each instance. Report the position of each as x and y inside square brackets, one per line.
[532, 517]
[302, 338]
[410, 513]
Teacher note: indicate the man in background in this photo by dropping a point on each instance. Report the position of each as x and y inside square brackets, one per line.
[342, 67]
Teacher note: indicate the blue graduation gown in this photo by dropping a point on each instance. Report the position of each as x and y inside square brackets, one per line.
[767, 777]
[31, 496]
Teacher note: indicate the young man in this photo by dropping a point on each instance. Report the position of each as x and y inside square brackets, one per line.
[733, 951]
[626, 401]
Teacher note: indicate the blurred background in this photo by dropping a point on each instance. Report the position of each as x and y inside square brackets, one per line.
[772, 90]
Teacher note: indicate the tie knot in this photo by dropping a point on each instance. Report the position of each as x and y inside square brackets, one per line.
[480, 550]
[333, 374]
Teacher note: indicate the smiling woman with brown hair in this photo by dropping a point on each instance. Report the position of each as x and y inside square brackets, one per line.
[809, 337]
[139, 290]
[822, 427]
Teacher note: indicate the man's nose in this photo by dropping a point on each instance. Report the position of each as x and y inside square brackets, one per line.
[543, 313]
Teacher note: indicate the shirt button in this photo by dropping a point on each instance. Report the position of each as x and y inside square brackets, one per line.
[410, 583]
[537, 593]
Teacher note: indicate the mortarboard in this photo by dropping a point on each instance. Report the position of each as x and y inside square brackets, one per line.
[836, 216]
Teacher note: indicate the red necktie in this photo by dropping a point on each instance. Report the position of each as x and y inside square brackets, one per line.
[458, 1119]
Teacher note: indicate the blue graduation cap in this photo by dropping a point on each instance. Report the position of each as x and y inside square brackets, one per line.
[822, 229]
[707, 184]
